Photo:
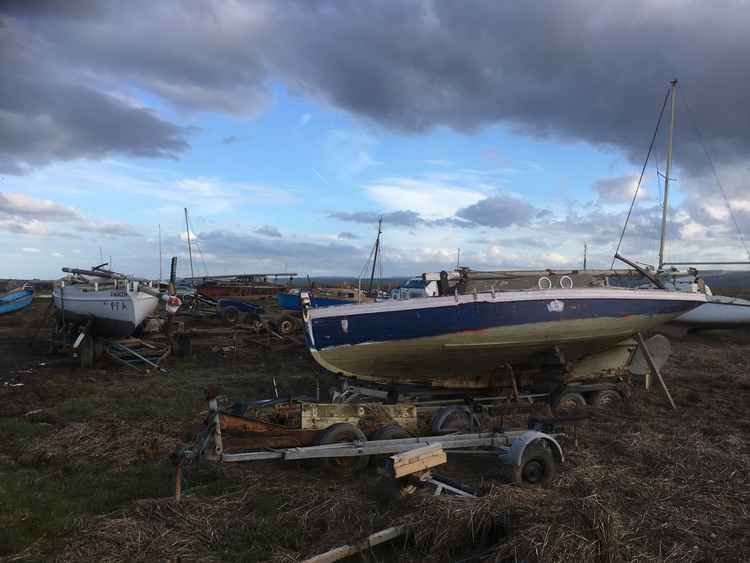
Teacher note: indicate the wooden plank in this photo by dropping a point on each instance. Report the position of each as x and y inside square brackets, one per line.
[419, 459]
[347, 550]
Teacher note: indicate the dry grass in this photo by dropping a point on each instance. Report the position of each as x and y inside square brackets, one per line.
[642, 483]
[116, 443]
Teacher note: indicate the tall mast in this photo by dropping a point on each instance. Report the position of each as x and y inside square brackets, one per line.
[375, 257]
[666, 178]
[160, 269]
[585, 252]
[190, 249]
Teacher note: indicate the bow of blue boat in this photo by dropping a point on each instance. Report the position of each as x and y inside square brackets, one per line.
[16, 299]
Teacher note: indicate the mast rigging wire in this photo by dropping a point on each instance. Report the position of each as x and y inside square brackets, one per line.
[640, 179]
[716, 177]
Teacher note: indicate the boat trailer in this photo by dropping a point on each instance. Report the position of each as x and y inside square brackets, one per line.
[532, 456]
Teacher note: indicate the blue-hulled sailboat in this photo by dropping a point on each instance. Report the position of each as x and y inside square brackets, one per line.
[461, 340]
[16, 299]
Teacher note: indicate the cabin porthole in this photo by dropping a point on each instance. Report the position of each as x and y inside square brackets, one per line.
[544, 283]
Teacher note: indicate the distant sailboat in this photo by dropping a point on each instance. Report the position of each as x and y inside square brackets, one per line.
[719, 311]
[115, 303]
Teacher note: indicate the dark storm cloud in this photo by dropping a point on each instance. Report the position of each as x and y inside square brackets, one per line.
[579, 70]
[498, 211]
[46, 116]
[395, 218]
[314, 255]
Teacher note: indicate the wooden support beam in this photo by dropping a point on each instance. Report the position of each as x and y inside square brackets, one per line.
[347, 550]
[655, 370]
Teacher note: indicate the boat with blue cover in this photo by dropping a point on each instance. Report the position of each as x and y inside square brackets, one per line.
[16, 299]
[461, 340]
[321, 297]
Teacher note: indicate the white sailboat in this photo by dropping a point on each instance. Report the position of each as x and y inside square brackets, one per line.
[115, 304]
[719, 311]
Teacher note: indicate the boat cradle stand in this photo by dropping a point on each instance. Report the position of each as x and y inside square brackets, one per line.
[140, 354]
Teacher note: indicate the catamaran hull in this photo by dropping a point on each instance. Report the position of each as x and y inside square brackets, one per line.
[114, 313]
[461, 342]
[718, 313]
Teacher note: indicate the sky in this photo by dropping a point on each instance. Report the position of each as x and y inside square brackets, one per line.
[515, 131]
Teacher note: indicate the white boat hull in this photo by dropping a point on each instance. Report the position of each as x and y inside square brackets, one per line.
[719, 312]
[114, 312]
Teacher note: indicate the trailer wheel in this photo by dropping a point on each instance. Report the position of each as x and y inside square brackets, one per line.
[286, 325]
[454, 418]
[606, 398]
[568, 401]
[230, 315]
[343, 432]
[538, 467]
[392, 431]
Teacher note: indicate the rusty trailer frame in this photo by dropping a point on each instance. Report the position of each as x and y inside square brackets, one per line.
[508, 445]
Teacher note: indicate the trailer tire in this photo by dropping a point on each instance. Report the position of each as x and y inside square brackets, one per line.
[454, 418]
[538, 467]
[392, 431]
[230, 315]
[343, 432]
[605, 398]
[286, 325]
[567, 401]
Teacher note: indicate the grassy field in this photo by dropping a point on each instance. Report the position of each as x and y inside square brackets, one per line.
[86, 475]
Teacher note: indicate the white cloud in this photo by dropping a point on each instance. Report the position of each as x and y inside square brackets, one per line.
[23, 226]
[30, 250]
[349, 153]
[184, 236]
[432, 201]
[23, 214]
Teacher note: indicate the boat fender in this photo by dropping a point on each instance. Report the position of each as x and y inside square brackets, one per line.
[304, 301]
[514, 454]
[544, 283]
[566, 282]
[173, 304]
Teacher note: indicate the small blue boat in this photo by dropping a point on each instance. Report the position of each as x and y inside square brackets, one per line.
[16, 299]
[322, 297]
